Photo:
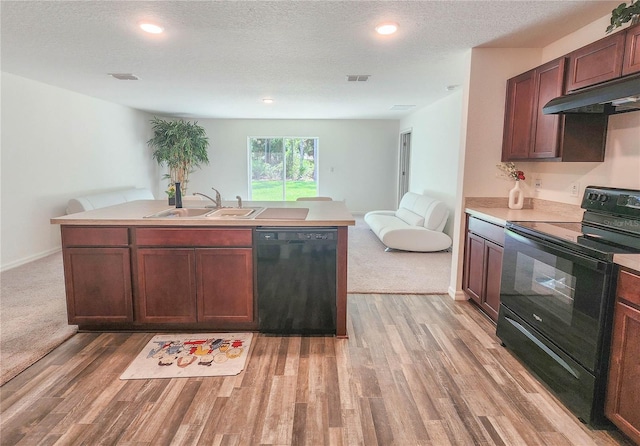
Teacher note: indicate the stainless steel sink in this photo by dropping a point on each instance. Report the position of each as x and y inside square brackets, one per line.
[244, 213]
[180, 213]
[235, 213]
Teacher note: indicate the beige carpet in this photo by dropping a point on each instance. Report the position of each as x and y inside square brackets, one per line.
[371, 270]
[33, 314]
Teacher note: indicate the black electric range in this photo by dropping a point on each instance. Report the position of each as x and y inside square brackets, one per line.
[557, 295]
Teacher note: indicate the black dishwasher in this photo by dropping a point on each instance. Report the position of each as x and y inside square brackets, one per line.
[296, 276]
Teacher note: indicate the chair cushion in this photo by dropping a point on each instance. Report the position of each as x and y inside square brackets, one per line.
[411, 218]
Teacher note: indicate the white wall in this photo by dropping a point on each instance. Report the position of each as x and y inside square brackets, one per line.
[357, 158]
[57, 145]
[435, 150]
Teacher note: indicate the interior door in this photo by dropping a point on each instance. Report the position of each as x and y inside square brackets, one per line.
[404, 164]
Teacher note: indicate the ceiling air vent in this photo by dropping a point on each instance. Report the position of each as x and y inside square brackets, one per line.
[358, 77]
[124, 76]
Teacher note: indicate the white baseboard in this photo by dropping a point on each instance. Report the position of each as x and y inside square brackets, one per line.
[28, 259]
[457, 295]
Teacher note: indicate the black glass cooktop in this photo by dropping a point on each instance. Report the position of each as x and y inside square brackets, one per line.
[596, 241]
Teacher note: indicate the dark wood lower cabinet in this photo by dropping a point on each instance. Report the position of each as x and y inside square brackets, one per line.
[224, 285]
[166, 285]
[182, 285]
[623, 389]
[483, 264]
[98, 285]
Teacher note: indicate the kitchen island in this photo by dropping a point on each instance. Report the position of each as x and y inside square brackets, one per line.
[126, 271]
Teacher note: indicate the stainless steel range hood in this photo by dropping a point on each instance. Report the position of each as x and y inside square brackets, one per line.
[617, 96]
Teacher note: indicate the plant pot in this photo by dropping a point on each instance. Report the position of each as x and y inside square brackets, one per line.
[172, 201]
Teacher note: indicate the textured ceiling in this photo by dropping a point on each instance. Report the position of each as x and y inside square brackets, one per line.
[219, 59]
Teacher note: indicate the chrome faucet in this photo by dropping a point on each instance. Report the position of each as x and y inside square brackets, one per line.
[218, 199]
[239, 200]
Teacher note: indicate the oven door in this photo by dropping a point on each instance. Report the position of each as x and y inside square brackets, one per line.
[560, 293]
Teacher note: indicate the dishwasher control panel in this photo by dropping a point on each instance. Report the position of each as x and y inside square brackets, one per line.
[296, 234]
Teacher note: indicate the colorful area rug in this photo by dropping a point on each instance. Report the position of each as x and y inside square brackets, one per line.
[191, 355]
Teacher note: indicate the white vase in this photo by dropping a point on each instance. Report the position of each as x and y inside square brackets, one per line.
[516, 197]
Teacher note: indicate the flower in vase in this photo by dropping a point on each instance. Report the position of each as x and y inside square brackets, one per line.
[171, 190]
[511, 171]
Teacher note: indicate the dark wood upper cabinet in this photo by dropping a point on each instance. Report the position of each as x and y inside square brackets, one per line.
[549, 80]
[597, 62]
[518, 117]
[528, 133]
[631, 62]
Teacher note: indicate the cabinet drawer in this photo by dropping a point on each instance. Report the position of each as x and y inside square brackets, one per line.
[629, 287]
[193, 237]
[487, 230]
[94, 236]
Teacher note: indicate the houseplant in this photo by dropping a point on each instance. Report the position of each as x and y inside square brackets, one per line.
[181, 146]
[623, 14]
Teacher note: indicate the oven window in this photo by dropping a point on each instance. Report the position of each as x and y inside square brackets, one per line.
[551, 288]
[557, 294]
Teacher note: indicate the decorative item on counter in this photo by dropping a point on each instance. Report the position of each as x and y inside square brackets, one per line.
[171, 193]
[516, 195]
[178, 195]
[623, 14]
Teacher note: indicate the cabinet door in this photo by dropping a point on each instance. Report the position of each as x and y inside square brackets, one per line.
[623, 393]
[549, 81]
[224, 285]
[632, 51]
[518, 118]
[493, 274]
[166, 285]
[595, 63]
[474, 267]
[98, 285]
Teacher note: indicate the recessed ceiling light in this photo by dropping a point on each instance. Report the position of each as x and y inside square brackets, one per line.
[267, 101]
[387, 28]
[151, 28]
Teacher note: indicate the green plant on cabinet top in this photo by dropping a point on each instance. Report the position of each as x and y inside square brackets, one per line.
[623, 14]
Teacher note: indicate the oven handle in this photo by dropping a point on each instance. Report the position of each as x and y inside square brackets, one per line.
[588, 262]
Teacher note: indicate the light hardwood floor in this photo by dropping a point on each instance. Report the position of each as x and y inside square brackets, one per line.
[416, 370]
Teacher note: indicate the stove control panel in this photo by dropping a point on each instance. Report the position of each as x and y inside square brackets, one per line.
[611, 200]
[630, 201]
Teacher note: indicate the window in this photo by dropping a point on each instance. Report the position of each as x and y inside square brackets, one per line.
[283, 168]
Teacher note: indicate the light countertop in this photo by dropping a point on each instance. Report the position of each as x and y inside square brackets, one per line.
[631, 261]
[321, 213]
[500, 216]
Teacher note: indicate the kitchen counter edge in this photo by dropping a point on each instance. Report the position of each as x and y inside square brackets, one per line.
[321, 213]
[500, 216]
